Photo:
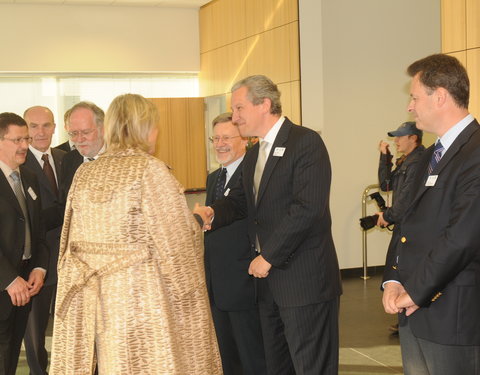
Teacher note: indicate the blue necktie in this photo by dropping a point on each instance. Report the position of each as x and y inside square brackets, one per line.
[436, 156]
[220, 185]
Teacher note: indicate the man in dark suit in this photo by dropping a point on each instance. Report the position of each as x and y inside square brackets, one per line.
[431, 275]
[23, 251]
[284, 192]
[227, 257]
[45, 162]
[85, 129]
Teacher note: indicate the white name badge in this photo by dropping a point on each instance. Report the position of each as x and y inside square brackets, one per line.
[279, 151]
[32, 193]
[431, 180]
[226, 192]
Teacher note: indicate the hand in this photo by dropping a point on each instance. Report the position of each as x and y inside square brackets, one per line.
[35, 281]
[391, 292]
[383, 147]
[404, 301]
[206, 213]
[381, 222]
[259, 267]
[18, 291]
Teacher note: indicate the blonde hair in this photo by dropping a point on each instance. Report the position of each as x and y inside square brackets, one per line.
[128, 122]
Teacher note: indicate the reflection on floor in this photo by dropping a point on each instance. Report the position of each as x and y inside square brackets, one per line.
[366, 345]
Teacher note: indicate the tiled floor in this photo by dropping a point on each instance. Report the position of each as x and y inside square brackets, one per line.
[366, 346]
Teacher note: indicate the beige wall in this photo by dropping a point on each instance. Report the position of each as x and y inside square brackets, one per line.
[63, 38]
[354, 89]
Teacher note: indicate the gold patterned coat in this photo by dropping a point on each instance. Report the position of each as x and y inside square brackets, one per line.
[131, 288]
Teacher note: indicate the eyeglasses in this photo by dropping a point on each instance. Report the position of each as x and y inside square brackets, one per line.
[225, 139]
[75, 134]
[19, 140]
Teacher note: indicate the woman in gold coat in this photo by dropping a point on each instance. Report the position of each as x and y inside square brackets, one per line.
[131, 291]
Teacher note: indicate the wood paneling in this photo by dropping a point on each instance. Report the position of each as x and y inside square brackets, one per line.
[235, 45]
[453, 25]
[181, 140]
[473, 23]
[473, 64]
[268, 14]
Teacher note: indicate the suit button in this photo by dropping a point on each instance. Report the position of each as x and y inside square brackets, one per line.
[404, 239]
[256, 221]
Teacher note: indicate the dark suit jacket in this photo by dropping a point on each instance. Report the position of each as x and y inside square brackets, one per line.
[227, 256]
[291, 217]
[12, 234]
[65, 146]
[71, 162]
[48, 200]
[438, 250]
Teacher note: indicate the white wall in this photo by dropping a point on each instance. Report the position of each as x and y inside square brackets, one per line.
[64, 38]
[354, 89]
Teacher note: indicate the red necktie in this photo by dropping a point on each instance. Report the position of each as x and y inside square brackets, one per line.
[48, 170]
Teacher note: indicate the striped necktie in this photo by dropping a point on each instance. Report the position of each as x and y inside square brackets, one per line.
[436, 156]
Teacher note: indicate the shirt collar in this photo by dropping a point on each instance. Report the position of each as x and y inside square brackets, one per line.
[7, 171]
[449, 137]
[272, 133]
[38, 154]
[232, 167]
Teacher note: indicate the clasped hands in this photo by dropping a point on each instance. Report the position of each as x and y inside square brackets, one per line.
[396, 299]
[21, 291]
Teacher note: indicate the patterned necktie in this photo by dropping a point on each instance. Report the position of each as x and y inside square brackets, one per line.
[220, 185]
[48, 170]
[17, 189]
[436, 156]
[261, 160]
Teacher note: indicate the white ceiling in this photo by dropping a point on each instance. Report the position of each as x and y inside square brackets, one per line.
[152, 3]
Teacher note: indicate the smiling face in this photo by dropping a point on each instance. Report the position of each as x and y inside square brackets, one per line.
[228, 144]
[13, 154]
[40, 127]
[245, 115]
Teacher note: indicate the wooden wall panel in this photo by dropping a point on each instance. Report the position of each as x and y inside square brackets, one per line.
[291, 100]
[473, 23]
[181, 141]
[453, 25]
[294, 48]
[473, 67]
[268, 14]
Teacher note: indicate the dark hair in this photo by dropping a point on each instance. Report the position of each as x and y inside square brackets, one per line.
[9, 118]
[444, 71]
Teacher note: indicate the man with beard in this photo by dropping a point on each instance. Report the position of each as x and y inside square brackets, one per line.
[227, 257]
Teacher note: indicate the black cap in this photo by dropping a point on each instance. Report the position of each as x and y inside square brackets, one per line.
[407, 128]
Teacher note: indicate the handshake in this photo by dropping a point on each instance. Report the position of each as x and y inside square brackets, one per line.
[204, 216]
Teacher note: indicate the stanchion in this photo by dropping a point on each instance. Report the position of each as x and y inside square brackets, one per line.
[364, 232]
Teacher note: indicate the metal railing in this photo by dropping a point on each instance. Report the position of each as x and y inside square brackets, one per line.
[366, 193]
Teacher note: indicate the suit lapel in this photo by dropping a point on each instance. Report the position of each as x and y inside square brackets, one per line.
[211, 186]
[272, 161]
[8, 193]
[461, 139]
[30, 194]
[58, 163]
[233, 180]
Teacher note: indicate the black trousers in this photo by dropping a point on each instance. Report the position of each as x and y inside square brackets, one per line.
[299, 340]
[37, 355]
[239, 337]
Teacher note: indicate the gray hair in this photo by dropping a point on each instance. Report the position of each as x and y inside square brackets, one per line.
[98, 114]
[220, 119]
[260, 88]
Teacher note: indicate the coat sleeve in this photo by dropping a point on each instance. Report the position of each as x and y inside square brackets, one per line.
[385, 172]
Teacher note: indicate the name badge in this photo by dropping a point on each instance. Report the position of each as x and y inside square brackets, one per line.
[226, 192]
[431, 180]
[279, 151]
[32, 193]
